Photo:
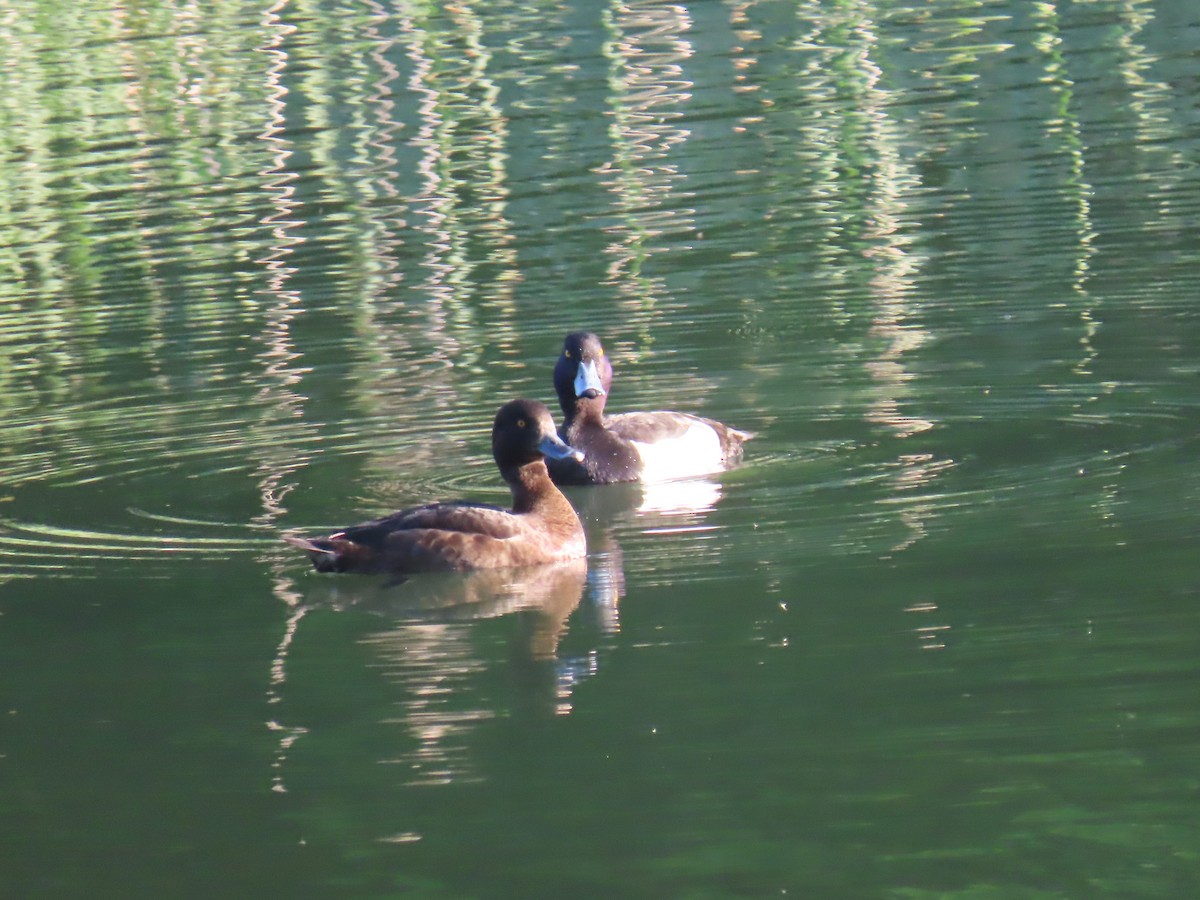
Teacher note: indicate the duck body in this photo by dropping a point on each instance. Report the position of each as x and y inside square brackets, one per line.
[542, 526]
[634, 446]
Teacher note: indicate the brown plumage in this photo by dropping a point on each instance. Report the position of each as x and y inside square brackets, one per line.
[541, 527]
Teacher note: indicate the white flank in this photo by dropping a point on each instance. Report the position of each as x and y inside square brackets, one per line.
[695, 452]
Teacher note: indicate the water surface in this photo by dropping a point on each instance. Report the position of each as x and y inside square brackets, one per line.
[269, 268]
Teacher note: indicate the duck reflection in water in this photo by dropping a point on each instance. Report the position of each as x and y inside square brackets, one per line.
[430, 648]
[428, 609]
[674, 507]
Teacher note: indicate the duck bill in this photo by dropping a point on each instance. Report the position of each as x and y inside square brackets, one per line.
[587, 381]
[553, 447]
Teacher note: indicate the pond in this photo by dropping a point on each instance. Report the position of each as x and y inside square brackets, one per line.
[272, 268]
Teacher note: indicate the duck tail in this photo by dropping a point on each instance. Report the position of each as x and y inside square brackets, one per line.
[743, 435]
[322, 551]
[732, 440]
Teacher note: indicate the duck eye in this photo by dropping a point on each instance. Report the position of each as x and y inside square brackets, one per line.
[567, 354]
[520, 423]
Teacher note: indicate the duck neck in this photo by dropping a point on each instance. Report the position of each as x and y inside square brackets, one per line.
[533, 491]
[587, 412]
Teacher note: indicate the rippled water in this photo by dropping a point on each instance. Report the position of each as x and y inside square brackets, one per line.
[269, 268]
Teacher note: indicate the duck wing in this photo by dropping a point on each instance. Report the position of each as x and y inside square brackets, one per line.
[651, 427]
[465, 518]
[436, 536]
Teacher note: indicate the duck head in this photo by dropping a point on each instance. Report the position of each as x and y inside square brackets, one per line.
[583, 375]
[523, 433]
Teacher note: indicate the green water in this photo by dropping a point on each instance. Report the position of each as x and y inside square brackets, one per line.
[269, 268]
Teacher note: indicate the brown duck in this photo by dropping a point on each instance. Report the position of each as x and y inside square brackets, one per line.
[542, 526]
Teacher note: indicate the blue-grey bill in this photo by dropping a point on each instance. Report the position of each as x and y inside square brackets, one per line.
[588, 379]
[552, 446]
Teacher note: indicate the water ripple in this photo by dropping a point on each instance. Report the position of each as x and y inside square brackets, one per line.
[39, 549]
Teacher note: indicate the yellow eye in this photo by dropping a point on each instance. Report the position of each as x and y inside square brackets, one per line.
[520, 423]
[567, 354]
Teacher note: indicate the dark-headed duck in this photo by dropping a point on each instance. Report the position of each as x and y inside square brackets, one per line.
[635, 446]
[541, 527]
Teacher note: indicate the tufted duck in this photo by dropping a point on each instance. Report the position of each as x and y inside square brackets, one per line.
[542, 527]
[635, 446]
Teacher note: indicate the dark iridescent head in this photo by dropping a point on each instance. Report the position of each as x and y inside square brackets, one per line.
[582, 373]
[524, 432]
